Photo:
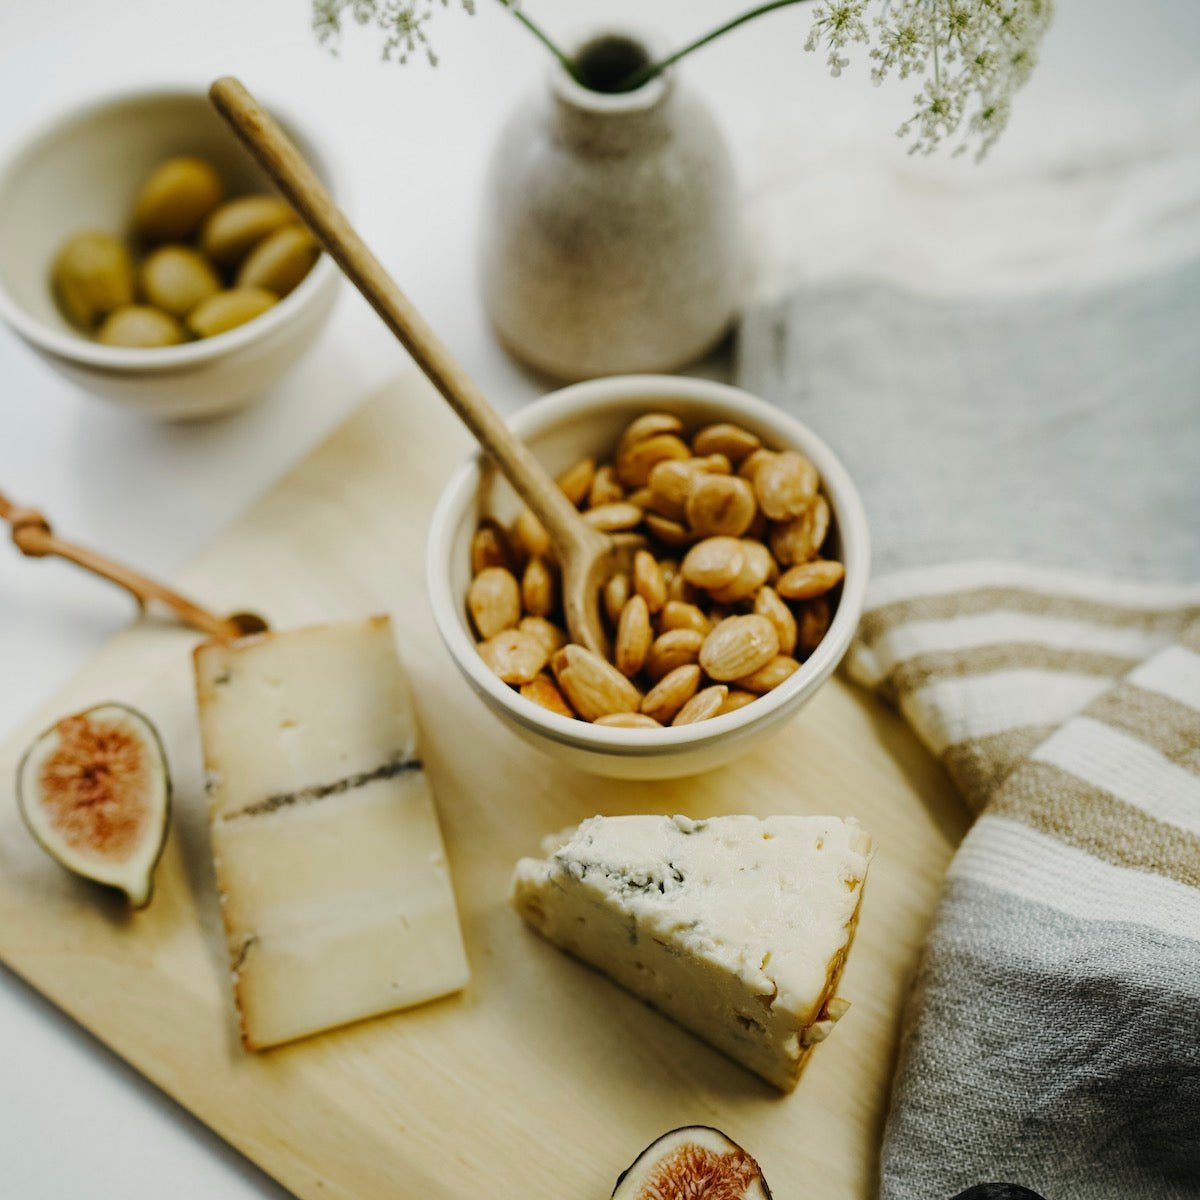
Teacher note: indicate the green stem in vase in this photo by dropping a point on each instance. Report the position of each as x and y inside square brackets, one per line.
[567, 64]
[650, 70]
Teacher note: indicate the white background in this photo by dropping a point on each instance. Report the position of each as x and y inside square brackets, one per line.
[1089, 166]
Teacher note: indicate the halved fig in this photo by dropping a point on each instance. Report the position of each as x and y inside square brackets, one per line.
[95, 792]
[695, 1162]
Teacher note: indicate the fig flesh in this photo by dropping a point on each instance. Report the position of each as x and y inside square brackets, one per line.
[695, 1162]
[95, 792]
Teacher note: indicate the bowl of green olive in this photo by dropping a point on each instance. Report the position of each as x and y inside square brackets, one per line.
[149, 259]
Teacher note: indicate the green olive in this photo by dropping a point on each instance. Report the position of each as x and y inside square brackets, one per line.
[92, 274]
[140, 325]
[280, 261]
[174, 200]
[226, 310]
[177, 278]
[237, 226]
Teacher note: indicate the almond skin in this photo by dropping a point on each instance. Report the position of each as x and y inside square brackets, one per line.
[594, 688]
[494, 601]
[738, 646]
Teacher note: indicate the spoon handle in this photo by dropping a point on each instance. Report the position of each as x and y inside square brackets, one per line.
[279, 157]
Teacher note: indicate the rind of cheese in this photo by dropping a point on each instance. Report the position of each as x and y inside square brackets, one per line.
[737, 927]
[331, 871]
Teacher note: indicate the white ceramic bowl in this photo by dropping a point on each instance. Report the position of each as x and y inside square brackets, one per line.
[586, 419]
[82, 171]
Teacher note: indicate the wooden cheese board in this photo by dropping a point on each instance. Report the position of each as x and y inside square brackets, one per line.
[542, 1079]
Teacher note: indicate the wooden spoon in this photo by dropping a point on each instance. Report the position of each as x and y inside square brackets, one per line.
[586, 556]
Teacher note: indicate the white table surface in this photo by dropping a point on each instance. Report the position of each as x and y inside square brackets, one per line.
[74, 1121]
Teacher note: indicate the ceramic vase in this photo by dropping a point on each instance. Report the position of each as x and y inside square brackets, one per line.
[611, 231]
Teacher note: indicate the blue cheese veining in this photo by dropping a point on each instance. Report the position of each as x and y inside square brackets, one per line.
[737, 927]
[330, 867]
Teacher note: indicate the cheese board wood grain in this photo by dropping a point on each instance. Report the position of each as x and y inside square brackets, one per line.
[542, 1079]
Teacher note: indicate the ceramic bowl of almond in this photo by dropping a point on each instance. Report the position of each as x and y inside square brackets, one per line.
[741, 604]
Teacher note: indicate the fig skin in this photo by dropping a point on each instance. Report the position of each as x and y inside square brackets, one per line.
[713, 1144]
[131, 870]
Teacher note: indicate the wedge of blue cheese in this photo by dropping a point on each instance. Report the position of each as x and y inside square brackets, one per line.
[330, 867]
[737, 927]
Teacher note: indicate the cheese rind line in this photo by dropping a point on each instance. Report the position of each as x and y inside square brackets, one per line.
[319, 791]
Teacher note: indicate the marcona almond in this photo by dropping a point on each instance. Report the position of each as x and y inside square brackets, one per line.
[797, 539]
[648, 580]
[494, 601]
[671, 482]
[813, 624]
[738, 646]
[610, 518]
[678, 615]
[723, 438]
[537, 587]
[543, 690]
[786, 485]
[576, 482]
[702, 705]
[628, 720]
[676, 648]
[748, 467]
[712, 464]
[736, 699]
[514, 656]
[720, 505]
[756, 571]
[769, 676]
[529, 537]
[489, 547]
[546, 632]
[641, 497]
[714, 562]
[634, 636]
[648, 425]
[768, 604]
[808, 580]
[671, 692]
[593, 687]
[678, 588]
[606, 488]
[670, 533]
[616, 592]
[636, 460]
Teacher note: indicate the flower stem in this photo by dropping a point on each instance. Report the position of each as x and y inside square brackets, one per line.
[542, 37]
[650, 70]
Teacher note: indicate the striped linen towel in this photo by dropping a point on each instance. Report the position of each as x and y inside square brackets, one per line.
[1053, 1038]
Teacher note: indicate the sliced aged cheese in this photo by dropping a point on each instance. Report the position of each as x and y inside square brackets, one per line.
[332, 876]
[736, 927]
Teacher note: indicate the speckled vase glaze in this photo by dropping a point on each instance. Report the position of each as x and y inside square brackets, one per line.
[611, 234]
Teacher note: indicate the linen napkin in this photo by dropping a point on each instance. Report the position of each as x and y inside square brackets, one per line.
[1053, 1033]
